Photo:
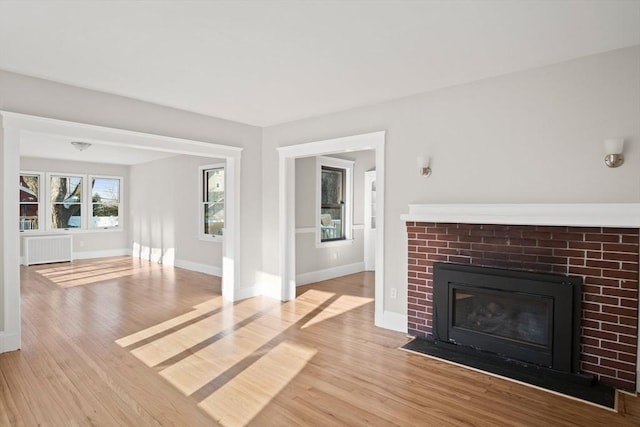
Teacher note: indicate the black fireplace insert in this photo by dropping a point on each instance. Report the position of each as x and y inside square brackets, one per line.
[525, 316]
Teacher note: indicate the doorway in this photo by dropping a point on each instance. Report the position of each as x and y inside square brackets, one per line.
[15, 125]
[287, 233]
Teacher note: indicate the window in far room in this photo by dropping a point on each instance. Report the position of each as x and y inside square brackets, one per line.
[212, 201]
[105, 202]
[335, 199]
[60, 202]
[66, 201]
[30, 209]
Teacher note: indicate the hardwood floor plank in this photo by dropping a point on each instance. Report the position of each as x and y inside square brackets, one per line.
[118, 341]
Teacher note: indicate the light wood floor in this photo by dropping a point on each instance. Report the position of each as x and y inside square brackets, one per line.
[122, 342]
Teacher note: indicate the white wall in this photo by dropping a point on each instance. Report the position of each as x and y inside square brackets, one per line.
[164, 214]
[309, 258]
[533, 136]
[86, 244]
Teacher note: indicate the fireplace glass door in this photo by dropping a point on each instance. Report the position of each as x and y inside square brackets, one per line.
[514, 316]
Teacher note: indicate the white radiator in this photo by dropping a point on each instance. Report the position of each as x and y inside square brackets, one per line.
[45, 249]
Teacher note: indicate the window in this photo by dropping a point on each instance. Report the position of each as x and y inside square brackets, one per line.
[335, 200]
[66, 201]
[105, 202]
[61, 201]
[30, 201]
[212, 201]
[332, 203]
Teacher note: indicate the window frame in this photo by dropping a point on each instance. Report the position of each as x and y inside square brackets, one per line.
[347, 166]
[89, 201]
[41, 196]
[45, 208]
[202, 202]
[50, 204]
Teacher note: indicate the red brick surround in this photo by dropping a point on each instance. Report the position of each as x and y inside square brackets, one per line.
[606, 258]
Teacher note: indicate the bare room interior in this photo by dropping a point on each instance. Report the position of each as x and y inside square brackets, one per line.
[320, 213]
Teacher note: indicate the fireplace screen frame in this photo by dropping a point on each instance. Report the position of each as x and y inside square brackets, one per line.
[561, 293]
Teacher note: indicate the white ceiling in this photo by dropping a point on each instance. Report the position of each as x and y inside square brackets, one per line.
[269, 62]
[48, 146]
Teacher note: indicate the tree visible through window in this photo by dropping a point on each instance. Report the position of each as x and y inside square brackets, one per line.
[213, 200]
[332, 204]
[66, 201]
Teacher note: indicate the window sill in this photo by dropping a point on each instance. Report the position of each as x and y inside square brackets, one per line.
[334, 243]
[214, 239]
[70, 231]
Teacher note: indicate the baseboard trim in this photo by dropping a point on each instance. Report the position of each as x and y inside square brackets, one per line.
[9, 342]
[329, 273]
[101, 254]
[200, 268]
[246, 292]
[305, 230]
[394, 321]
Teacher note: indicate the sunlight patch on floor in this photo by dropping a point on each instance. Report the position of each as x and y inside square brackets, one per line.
[200, 368]
[239, 401]
[191, 335]
[200, 309]
[343, 304]
[70, 275]
[236, 360]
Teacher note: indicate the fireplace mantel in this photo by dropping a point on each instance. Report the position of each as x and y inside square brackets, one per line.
[577, 215]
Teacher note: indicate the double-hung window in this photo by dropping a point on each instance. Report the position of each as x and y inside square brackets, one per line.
[30, 197]
[335, 200]
[212, 201]
[105, 202]
[66, 199]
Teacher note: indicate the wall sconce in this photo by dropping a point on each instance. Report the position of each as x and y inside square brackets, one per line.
[80, 146]
[614, 147]
[423, 166]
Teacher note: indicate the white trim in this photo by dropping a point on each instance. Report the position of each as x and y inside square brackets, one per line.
[250, 292]
[286, 179]
[347, 166]
[394, 321]
[200, 268]
[102, 254]
[329, 273]
[232, 273]
[579, 214]
[9, 220]
[305, 230]
[117, 137]
[357, 227]
[334, 243]
[9, 342]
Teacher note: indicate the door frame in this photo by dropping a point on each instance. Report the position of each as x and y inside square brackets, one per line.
[13, 125]
[369, 261]
[287, 233]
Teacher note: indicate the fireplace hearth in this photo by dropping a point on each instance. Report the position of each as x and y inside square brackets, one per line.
[525, 316]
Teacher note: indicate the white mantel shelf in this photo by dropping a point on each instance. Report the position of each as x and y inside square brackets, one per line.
[626, 215]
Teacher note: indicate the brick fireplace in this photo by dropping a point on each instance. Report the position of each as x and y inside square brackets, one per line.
[606, 257]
